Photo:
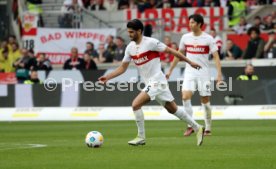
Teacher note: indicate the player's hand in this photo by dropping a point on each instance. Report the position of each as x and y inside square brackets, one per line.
[168, 75]
[102, 80]
[195, 65]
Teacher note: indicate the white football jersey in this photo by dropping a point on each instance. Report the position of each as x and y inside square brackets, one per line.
[146, 57]
[198, 49]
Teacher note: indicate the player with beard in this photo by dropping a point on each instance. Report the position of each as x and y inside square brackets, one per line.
[144, 51]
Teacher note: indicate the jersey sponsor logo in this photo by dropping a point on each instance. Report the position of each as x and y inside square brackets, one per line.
[145, 57]
[197, 49]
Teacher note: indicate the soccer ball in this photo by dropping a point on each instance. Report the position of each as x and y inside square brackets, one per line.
[94, 139]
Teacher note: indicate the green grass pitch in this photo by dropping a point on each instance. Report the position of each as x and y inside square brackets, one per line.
[233, 145]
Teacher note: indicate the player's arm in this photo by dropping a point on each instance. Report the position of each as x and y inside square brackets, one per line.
[173, 65]
[117, 72]
[179, 56]
[218, 66]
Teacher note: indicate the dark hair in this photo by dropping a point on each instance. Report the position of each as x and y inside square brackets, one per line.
[90, 43]
[5, 50]
[253, 29]
[135, 24]
[16, 44]
[258, 17]
[119, 37]
[197, 18]
[12, 36]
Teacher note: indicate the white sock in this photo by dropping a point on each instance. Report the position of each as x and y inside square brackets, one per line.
[139, 118]
[188, 108]
[207, 115]
[182, 115]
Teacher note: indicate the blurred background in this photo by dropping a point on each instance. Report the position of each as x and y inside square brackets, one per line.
[82, 40]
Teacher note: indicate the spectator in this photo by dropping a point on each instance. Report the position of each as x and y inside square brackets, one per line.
[4, 44]
[33, 79]
[217, 39]
[143, 5]
[270, 47]
[8, 57]
[32, 63]
[69, 19]
[248, 73]
[43, 63]
[269, 25]
[258, 23]
[5, 65]
[166, 4]
[120, 49]
[34, 6]
[11, 40]
[123, 4]
[15, 51]
[104, 55]
[211, 3]
[66, 19]
[90, 50]
[183, 4]
[242, 27]
[111, 5]
[74, 62]
[22, 66]
[89, 63]
[236, 10]
[24, 61]
[233, 52]
[111, 46]
[255, 46]
[96, 5]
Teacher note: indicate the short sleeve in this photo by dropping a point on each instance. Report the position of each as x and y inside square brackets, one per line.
[158, 46]
[213, 46]
[127, 57]
[182, 44]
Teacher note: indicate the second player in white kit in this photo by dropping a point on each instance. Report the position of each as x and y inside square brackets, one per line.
[198, 45]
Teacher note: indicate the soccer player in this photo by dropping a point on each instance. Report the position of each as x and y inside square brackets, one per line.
[198, 45]
[144, 51]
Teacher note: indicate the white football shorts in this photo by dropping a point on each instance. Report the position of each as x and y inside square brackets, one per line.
[159, 92]
[200, 84]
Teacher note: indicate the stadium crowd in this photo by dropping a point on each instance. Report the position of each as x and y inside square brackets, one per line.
[14, 59]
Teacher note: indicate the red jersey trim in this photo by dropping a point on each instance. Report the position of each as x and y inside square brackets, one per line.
[145, 57]
[197, 49]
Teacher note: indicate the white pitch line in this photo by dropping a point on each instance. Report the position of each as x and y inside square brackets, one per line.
[20, 146]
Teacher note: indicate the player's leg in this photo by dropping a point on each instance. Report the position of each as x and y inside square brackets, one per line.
[205, 93]
[137, 104]
[207, 112]
[188, 88]
[187, 105]
[182, 115]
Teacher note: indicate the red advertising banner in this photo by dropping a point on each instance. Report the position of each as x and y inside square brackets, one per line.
[177, 19]
[8, 78]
